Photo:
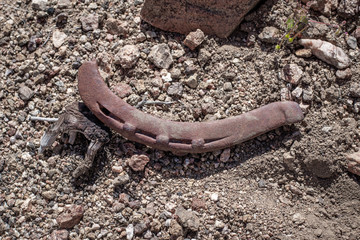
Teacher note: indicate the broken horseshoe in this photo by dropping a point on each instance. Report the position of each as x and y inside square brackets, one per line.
[178, 137]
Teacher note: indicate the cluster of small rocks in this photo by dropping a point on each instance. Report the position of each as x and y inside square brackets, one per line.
[294, 181]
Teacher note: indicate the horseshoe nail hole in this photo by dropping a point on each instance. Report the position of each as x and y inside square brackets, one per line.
[106, 112]
[182, 141]
[212, 140]
[147, 134]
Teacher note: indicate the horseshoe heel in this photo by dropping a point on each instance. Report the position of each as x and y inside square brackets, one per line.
[178, 137]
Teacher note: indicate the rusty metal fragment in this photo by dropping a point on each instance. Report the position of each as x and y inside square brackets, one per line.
[77, 118]
[178, 137]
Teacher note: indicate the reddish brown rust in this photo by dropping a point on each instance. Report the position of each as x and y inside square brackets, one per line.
[178, 137]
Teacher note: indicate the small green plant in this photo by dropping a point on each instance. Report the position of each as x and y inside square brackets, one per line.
[295, 25]
[298, 22]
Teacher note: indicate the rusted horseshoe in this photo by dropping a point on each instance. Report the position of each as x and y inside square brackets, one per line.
[178, 137]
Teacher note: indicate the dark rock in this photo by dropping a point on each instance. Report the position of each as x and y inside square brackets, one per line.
[76, 65]
[134, 204]
[61, 20]
[50, 11]
[320, 167]
[184, 16]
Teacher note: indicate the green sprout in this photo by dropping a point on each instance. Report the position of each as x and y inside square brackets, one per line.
[295, 25]
[298, 22]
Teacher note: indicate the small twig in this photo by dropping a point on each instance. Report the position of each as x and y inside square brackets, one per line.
[142, 102]
[43, 119]
[47, 39]
[158, 103]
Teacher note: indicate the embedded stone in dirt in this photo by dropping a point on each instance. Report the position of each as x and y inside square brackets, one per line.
[26, 93]
[198, 203]
[121, 180]
[187, 219]
[70, 217]
[58, 38]
[194, 39]
[225, 155]
[183, 16]
[49, 195]
[160, 56]
[140, 228]
[356, 34]
[344, 74]
[122, 90]
[348, 8]
[116, 27]
[354, 90]
[269, 35]
[292, 73]
[64, 4]
[351, 42]
[39, 4]
[321, 168]
[138, 162]
[175, 89]
[304, 53]
[327, 52]
[175, 229]
[354, 163]
[89, 22]
[59, 235]
[127, 56]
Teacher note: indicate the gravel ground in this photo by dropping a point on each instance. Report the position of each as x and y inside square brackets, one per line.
[291, 183]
